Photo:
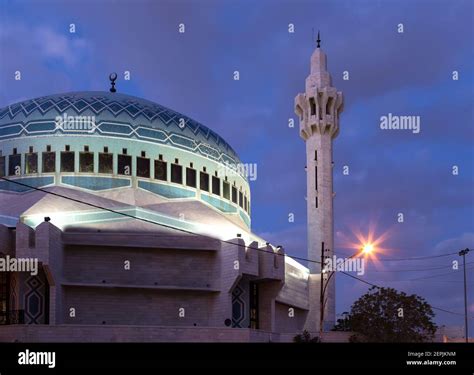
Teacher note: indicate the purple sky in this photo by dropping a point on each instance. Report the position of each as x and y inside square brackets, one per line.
[390, 171]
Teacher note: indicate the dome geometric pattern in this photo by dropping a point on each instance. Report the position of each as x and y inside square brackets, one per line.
[115, 115]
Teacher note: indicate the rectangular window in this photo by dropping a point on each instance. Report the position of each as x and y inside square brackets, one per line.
[234, 194]
[67, 161]
[329, 105]
[31, 163]
[316, 203]
[86, 162]
[319, 107]
[191, 177]
[315, 155]
[204, 181]
[316, 178]
[49, 162]
[177, 173]
[2, 166]
[245, 203]
[161, 170]
[143, 167]
[106, 163]
[226, 190]
[14, 165]
[241, 199]
[312, 105]
[124, 165]
[216, 185]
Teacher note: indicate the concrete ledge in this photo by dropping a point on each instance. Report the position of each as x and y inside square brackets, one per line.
[114, 333]
[160, 241]
[131, 286]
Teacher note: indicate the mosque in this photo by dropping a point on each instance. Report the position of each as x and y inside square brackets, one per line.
[139, 221]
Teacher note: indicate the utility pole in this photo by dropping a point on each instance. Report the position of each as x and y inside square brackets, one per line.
[321, 296]
[463, 254]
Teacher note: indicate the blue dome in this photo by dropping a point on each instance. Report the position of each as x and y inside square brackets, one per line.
[115, 115]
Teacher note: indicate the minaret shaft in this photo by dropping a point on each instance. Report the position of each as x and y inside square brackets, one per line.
[319, 109]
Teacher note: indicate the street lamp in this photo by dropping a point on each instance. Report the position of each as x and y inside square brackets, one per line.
[463, 254]
[365, 249]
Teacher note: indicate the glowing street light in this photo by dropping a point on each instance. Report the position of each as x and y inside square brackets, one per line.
[367, 248]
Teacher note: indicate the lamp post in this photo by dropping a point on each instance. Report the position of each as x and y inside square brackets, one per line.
[463, 253]
[365, 249]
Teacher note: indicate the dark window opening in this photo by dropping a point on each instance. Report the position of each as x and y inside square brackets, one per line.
[14, 165]
[234, 194]
[67, 161]
[312, 105]
[204, 181]
[49, 162]
[86, 148]
[316, 199]
[216, 185]
[30, 149]
[86, 162]
[106, 150]
[15, 151]
[48, 148]
[160, 157]
[315, 155]
[4, 297]
[31, 163]
[124, 164]
[68, 148]
[253, 305]
[316, 178]
[2, 166]
[124, 151]
[226, 190]
[106, 162]
[176, 173]
[143, 154]
[245, 203]
[320, 109]
[329, 105]
[143, 167]
[241, 200]
[160, 170]
[191, 177]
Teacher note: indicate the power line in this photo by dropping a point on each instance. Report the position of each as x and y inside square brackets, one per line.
[179, 229]
[432, 276]
[420, 269]
[150, 221]
[415, 258]
[379, 287]
[206, 236]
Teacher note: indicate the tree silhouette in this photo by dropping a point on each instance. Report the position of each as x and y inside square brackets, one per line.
[386, 315]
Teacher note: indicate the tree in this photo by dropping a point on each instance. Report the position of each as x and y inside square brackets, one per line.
[305, 336]
[343, 324]
[386, 315]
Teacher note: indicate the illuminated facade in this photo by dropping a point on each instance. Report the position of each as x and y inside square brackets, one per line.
[140, 220]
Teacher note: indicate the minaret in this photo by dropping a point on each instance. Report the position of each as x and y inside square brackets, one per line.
[318, 109]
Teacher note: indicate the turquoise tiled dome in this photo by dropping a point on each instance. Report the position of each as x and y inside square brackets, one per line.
[116, 115]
